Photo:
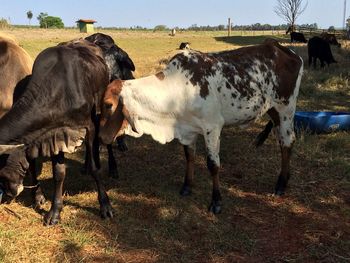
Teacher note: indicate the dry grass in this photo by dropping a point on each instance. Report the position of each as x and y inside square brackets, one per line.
[154, 224]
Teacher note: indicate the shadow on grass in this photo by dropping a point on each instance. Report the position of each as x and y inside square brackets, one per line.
[153, 223]
[249, 40]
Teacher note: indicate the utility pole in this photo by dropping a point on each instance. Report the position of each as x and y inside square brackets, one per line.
[344, 15]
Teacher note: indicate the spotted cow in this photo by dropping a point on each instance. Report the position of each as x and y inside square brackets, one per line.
[199, 93]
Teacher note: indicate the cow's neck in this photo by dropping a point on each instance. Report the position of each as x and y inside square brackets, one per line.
[154, 105]
[17, 120]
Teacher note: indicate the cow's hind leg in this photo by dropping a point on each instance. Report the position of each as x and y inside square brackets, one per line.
[212, 140]
[286, 137]
[59, 173]
[190, 151]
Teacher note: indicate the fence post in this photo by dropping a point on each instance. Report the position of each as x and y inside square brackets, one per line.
[229, 27]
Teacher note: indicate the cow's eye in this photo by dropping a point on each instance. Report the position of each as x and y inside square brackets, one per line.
[108, 106]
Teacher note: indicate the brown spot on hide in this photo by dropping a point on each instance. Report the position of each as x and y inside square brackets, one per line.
[240, 68]
[160, 75]
[200, 66]
[275, 117]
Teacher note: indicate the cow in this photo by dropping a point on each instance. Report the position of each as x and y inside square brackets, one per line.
[296, 36]
[199, 93]
[15, 70]
[121, 67]
[184, 45]
[15, 65]
[52, 117]
[330, 38]
[318, 48]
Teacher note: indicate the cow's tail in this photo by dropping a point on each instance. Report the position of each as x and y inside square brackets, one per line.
[262, 136]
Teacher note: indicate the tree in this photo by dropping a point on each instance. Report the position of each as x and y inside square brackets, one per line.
[289, 10]
[29, 16]
[52, 22]
[41, 18]
[4, 23]
[331, 29]
[46, 21]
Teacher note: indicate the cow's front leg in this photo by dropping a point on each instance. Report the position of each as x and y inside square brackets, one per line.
[59, 173]
[38, 198]
[212, 140]
[112, 163]
[190, 151]
[105, 206]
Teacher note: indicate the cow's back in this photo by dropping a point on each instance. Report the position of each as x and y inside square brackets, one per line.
[53, 112]
[245, 82]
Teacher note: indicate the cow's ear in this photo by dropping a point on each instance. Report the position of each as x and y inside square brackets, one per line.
[129, 119]
[7, 148]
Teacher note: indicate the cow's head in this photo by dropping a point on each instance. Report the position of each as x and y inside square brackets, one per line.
[115, 118]
[13, 167]
[118, 61]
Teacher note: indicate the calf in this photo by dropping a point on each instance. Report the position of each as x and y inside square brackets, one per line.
[184, 45]
[319, 48]
[199, 93]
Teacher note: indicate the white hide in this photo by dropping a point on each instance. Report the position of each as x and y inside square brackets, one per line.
[172, 107]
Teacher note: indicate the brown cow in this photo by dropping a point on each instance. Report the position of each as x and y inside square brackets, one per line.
[15, 65]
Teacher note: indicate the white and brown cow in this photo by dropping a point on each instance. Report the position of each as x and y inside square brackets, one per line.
[199, 93]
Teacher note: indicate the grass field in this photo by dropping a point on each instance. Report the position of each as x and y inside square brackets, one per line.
[152, 223]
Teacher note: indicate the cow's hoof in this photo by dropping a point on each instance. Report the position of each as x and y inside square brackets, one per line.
[106, 211]
[39, 200]
[51, 219]
[279, 192]
[185, 190]
[215, 207]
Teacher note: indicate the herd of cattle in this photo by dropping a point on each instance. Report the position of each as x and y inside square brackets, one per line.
[318, 46]
[84, 90]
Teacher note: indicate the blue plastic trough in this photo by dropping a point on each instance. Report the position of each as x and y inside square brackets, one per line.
[321, 121]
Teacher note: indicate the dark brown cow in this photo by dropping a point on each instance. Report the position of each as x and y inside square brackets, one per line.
[15, 65]
[318, 48]
[330, 38]
[296, 36]
[198, 93]
[53, 116]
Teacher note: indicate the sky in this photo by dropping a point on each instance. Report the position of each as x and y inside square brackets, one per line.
[175, 13]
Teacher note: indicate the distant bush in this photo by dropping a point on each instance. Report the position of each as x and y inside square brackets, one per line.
[160, 28]
[51, 22]
[4, 23]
